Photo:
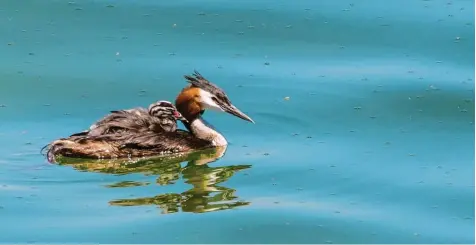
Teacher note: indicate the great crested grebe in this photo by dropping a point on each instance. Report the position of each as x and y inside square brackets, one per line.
[142, 140]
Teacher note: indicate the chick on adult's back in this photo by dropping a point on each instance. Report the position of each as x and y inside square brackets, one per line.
[120, 133]
[129, 133]
[160, 116]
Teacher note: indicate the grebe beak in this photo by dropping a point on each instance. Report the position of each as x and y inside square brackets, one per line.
[236, 112]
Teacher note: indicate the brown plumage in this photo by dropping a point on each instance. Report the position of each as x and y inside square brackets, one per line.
[134, 132]
[117, 145]
[160, 116]
[138, 132]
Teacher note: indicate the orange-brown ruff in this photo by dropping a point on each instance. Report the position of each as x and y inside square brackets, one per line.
[144, 140]
[188, 102]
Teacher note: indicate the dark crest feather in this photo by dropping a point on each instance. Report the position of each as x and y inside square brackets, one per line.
[197, 80]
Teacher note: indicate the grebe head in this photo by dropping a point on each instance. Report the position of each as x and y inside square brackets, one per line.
[202, 95]
[165, 109]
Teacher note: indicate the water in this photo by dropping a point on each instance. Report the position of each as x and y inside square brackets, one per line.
[375, 143]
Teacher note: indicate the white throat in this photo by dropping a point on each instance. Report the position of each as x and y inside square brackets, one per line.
[202, 131]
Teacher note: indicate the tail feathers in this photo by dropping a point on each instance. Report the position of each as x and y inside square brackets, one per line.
[45, 150]
[59, 147]
[50, 151]
[81, 149]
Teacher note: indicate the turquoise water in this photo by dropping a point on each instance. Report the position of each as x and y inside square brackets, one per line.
[375, 143]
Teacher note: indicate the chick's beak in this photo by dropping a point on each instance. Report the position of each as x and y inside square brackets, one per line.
[236, 112]
[178, 116]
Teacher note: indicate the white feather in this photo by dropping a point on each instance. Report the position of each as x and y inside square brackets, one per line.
[207, 102]
[205, 132]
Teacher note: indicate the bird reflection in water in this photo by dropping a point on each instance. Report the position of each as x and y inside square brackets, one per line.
[204, 196]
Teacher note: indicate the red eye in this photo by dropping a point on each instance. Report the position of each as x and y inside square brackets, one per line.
[177, 114]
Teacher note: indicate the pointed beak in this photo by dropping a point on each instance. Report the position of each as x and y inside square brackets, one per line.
[236, 112]
[178, 116]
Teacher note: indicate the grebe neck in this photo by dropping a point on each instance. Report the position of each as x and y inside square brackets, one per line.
[202, 130]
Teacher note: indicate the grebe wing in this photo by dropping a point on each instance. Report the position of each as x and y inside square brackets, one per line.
[178, 141]
[126, 145]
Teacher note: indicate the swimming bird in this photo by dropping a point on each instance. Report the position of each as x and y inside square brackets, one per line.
[191, 103]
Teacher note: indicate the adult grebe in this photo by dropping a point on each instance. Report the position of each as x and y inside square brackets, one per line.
[191, 103]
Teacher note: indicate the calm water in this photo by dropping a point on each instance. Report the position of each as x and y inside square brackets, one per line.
[374, 145]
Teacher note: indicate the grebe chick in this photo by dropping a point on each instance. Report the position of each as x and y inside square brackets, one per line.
[191, 103]
[160, 116]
